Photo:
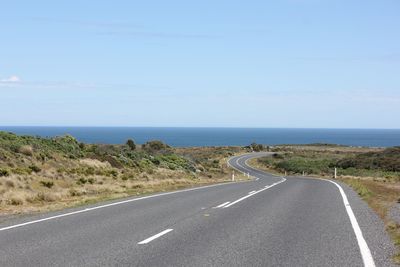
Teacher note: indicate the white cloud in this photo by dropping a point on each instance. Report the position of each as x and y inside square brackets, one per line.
[11, 79]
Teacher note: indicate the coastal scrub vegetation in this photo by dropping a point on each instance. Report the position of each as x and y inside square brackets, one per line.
[50, 173]
[320, 160]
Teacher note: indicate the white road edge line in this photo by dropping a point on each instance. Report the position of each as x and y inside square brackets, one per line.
[252, 192]
[366, 255]
[107, 205]
[362, 244]
[221, 205]
[243, 198]
[148, 240]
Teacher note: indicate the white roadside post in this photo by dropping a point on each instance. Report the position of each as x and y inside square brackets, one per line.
[285, 173]
[233, 176]
[335, 174]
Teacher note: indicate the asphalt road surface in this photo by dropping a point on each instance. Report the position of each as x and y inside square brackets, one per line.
[267, 221]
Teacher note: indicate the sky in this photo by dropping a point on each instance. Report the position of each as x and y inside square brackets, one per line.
[287, 63]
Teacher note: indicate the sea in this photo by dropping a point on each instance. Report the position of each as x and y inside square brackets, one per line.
[194, 137]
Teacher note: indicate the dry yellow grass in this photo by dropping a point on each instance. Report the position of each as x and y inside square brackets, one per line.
[381, 198]
[51, 190]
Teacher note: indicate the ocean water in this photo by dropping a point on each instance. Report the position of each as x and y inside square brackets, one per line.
[182, 137]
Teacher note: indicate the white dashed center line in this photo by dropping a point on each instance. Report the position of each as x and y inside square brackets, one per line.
[148, 240]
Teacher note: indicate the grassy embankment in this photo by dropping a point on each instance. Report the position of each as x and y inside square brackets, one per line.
[40, 174]
[374, 173]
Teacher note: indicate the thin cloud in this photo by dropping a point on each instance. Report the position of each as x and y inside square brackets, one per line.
[11, 79]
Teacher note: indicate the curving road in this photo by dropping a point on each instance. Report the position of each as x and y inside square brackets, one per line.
[268, 221]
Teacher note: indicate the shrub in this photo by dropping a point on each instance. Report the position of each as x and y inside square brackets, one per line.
[114, 173]
[48, 184]
[21, 170]
[277, 156]
[257, 147]
[131, 144]
[75, 193]
[82, 181]
[387, 160]
[174, 162]
[299, 165]
[47, 197]
[155, 145]
[89, 171]
[26, 150]
[16, 201]
[34, 168]
[4, 172]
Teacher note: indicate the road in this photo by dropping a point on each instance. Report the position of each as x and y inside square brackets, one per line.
[268, 221]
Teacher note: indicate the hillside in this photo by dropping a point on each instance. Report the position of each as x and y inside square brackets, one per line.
[49, 173]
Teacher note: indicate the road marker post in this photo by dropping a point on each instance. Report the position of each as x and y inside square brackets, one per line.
[335, 175]
[233, 176]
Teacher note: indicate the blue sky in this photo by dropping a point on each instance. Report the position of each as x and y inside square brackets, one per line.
[289, 63]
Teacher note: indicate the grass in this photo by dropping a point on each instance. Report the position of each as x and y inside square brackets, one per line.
[380, 196]
[358, 186]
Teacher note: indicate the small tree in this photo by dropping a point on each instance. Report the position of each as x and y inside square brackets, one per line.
[155, 145]
[257, 147]
[131, 144]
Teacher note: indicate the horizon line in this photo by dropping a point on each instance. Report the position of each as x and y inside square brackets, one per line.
[199, 127]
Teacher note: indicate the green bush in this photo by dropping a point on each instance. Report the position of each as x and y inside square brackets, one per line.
[174, 162]
[131, 144]
[65, 145]
[299, 165]
[4, 172]
[82, 181]
[48, 184]
[34, 168]
[387, 160]
[155, 145]
[257, 147]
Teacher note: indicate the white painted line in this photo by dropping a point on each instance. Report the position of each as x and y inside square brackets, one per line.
[364, 249]
[246, 167]
[221, 205]
[148, 240]
[104, 206]
[257, 179]
[243, 198]
[362, 244]
[252, 192]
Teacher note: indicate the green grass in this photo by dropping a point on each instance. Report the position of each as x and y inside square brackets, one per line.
[360, 188]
